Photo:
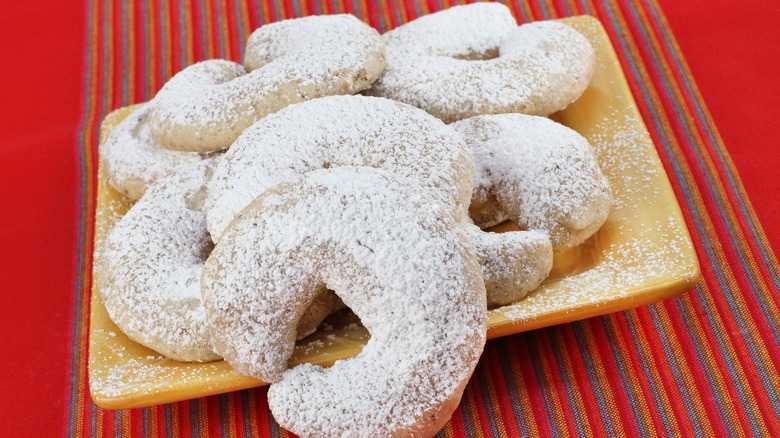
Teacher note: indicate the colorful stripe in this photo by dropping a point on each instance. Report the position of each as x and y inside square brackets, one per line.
[703, 364]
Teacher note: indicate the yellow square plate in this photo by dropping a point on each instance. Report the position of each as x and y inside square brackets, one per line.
[641, 255]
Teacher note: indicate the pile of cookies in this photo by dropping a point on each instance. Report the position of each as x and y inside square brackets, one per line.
[272, 193]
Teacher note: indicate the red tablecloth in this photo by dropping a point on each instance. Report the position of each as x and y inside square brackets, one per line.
[705, 362]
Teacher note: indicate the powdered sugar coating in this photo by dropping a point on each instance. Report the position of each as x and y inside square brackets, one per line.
[206, 106]
[473, 59]
[368, 131]
[149, 272]
[341, 131]
[543, 175]
[133, 160]
[513, 263]
[395, 257]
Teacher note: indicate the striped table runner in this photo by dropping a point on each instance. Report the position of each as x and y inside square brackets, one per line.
[704, 363]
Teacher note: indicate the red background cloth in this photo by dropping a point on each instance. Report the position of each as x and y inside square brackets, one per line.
[42, 58]
[733, 51]
[731, 48]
